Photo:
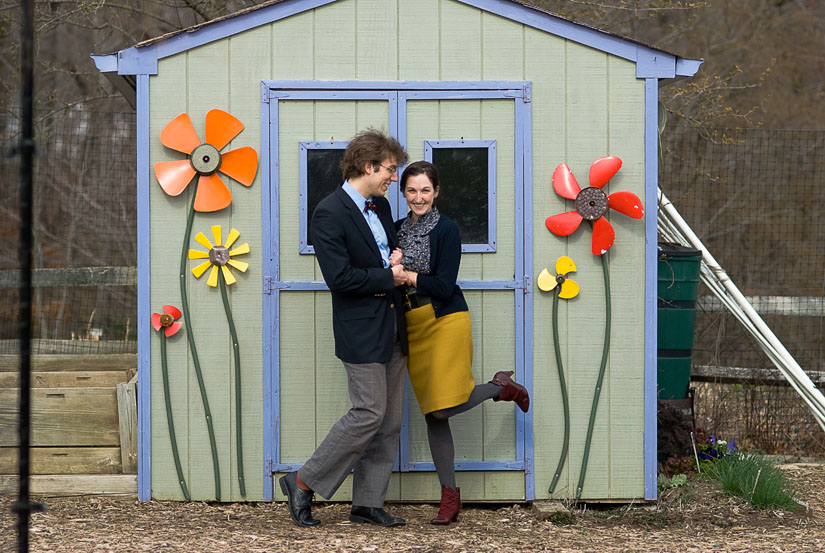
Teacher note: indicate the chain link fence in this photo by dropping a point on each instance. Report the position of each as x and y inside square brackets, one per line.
[85, 247]
[754, 198]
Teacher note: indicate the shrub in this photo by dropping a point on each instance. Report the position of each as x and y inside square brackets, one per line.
[752, 478]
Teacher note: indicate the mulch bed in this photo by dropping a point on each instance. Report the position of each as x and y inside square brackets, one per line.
[695, 517]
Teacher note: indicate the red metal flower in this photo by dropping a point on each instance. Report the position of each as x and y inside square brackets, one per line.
[168, 321]
[592, 203]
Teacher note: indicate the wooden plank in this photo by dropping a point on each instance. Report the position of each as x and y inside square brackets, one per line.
[460, 32]
[545, 66]
[64, 460]
[296, 124]
[497, 122]
[335, 41]
[298, 365]
[623, 400]
[770, 305]
[475, 486]
[71, 362]
[739, 375]
[502, 47]
[63, 417]
[207, 68]
[249, 52]
[60, 379]
[127, 421]
[587, 139]
[292, 47]
[418, 44]
[377, 41]
[498, 342]
[75, 484]
[76, 276]
[167, 225]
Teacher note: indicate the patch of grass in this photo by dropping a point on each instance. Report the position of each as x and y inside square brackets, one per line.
[752, 478]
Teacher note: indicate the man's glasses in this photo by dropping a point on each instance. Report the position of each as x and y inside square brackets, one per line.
[393, 170]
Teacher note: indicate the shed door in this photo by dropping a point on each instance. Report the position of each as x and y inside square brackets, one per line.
[476, 137]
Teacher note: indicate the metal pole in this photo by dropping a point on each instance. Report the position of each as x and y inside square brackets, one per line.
[23, 507]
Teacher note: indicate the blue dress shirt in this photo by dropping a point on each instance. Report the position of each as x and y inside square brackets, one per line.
[373, 221]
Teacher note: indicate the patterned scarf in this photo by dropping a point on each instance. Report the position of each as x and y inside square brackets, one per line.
[414, 241]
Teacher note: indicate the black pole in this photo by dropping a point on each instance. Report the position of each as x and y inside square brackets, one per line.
[23, 507]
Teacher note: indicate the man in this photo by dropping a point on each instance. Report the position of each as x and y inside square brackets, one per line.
[353, 234]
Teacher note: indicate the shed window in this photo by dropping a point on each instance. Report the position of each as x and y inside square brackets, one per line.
[467, 170]
[320, 174]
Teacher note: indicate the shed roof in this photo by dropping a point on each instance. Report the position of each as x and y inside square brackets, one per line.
[142, 58]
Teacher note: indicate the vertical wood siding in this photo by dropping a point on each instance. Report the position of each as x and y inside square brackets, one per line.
[585, 105]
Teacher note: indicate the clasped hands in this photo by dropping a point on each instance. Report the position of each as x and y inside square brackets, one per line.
[399, 274]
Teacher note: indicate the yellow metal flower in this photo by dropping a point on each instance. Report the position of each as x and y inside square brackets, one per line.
[547, 282]
[219, 255]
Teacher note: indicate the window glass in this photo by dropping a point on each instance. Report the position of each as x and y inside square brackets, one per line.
[467, 170]
[323, 175]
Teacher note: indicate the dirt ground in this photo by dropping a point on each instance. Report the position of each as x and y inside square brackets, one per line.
[697, 517]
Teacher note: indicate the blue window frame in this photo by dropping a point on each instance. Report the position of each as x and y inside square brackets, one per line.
[467, 168]
[319, 174]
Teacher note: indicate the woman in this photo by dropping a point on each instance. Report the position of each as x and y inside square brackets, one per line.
[438, 327]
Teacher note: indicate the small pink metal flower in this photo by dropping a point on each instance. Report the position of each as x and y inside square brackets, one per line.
[592, 203]
[168, 321]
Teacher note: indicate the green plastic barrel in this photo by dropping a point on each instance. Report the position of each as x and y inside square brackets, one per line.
[678, 290]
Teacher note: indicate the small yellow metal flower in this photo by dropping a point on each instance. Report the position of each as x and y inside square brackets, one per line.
[219, 256]
[547, 282]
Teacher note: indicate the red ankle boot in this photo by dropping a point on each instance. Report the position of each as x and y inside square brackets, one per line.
[511, 390]
[450, 506]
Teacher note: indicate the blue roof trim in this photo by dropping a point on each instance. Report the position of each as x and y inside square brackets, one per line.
[133, 61]
[141, 60]
[144, 59]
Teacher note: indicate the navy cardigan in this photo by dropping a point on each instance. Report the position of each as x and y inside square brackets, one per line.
[445, 257]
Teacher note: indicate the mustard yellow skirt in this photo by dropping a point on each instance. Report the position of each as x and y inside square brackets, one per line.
[441, 358]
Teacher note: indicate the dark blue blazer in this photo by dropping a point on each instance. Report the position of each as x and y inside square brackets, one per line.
[445, 258]
[366, 304]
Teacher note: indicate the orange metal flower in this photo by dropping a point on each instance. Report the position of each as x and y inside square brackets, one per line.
[592, 203]
[205, 159]
[168, 321]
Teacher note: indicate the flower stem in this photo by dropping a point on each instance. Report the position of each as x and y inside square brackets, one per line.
[563, 385]
[169, 420]
[190, 336]
[236, 349]
[605, 350]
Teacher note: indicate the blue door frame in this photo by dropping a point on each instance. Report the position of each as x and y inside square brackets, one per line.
[397, 94]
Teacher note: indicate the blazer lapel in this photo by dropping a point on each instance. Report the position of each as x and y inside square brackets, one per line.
[389, 227]
[360, 223]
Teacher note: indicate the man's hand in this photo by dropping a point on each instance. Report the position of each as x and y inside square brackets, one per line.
[399, 275]
[395, 257]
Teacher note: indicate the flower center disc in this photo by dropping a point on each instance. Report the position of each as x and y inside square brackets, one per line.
[591, 203]
[205, 159]
[219, 255]
[166, 320]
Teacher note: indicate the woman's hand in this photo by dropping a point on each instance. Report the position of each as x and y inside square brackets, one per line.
[412, 278]
[395, 257]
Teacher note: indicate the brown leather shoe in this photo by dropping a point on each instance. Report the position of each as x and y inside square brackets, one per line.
[511, 390]
[450, 506]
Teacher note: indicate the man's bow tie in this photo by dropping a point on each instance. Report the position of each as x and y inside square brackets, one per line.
[370, 205]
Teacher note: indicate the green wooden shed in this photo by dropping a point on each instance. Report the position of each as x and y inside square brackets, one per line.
[495, 92]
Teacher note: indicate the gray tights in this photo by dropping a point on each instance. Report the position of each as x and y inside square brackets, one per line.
[440, 437]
